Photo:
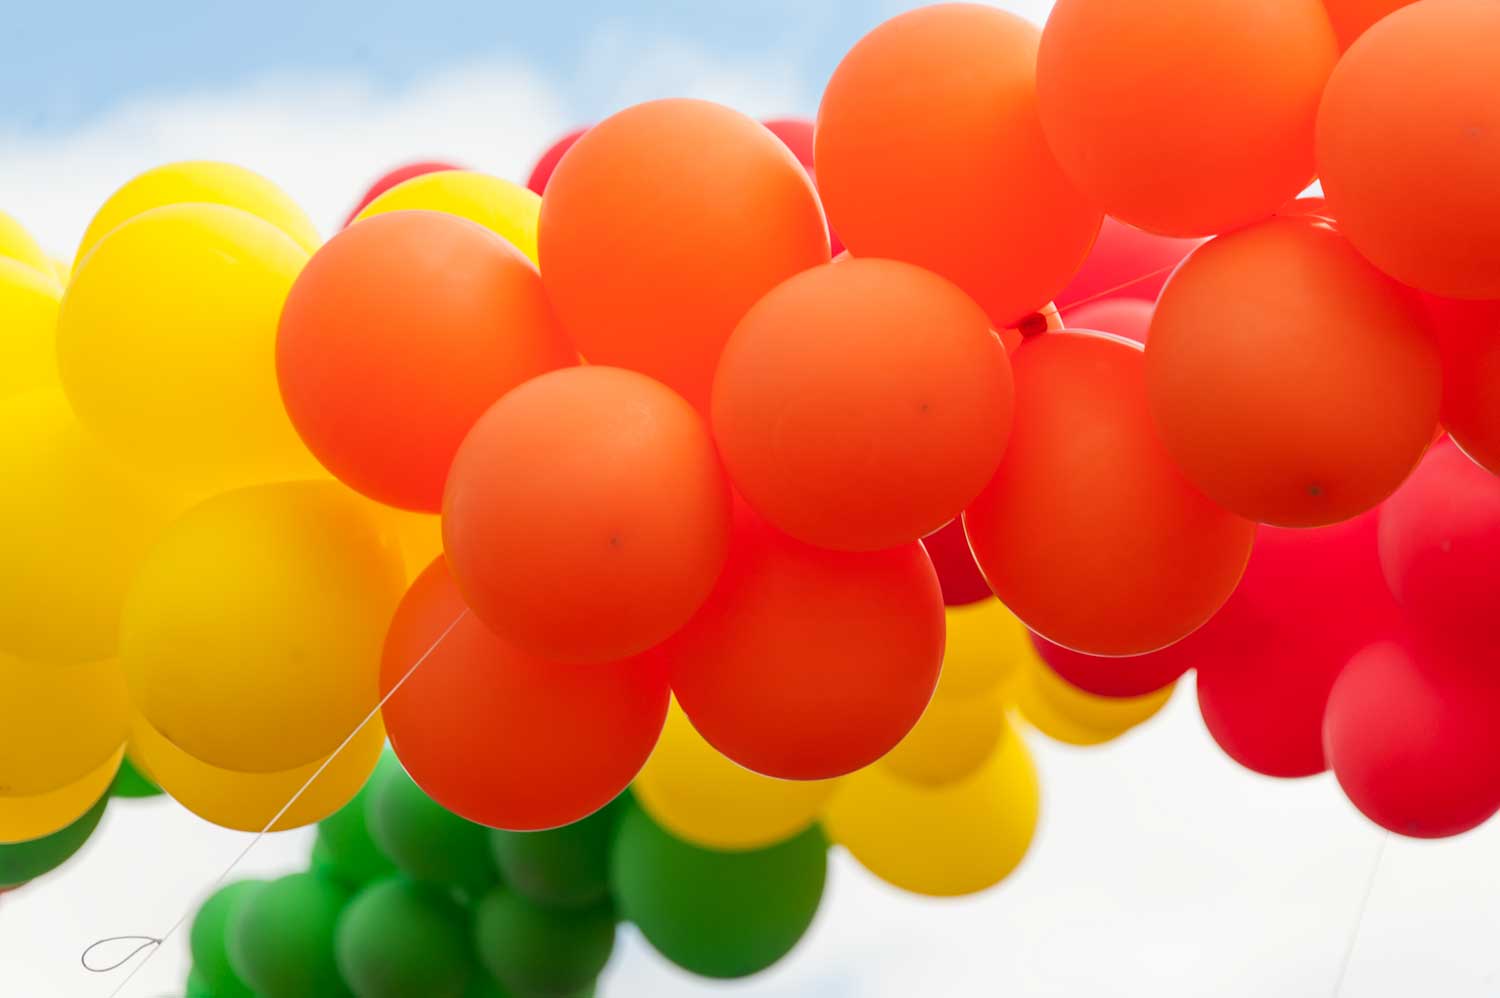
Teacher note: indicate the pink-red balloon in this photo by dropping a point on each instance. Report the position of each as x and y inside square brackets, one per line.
[1125, 262]
[399, 175]
[542, 172]
[1124, 676]
[797, 135]
[1127, 317]
[1468, 338]
[959, 576]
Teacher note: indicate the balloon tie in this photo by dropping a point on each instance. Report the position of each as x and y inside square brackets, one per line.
[1359, 919]
[145, 943]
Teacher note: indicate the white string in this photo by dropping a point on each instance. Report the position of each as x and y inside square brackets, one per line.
[1359, 919]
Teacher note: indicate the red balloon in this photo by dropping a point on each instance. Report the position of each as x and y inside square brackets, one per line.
[1468, 338]
[957, 573]
[1127, 317]
[542, 172]
[1126, 262]
[797, 135]
[399, 175]
[1126, 676]
[502, 737]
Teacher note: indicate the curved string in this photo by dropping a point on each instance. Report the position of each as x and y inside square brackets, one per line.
[145, 941]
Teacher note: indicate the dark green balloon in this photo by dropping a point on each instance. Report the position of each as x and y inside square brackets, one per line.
[345, 849]
[208, 940]
[281, 938]
[542, 951]
[426, 841]
[23, 861]
[403, 939]
[565, 867]
[718, 914]
[129, 782]
[485, 986]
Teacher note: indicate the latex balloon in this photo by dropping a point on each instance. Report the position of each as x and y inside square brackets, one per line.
[542, 172]
[349, 851]
[197, 987]
[35, 816]
[1151, 111]
[961, 581]
[1406, 170]
[566, 867]
[1046, 320]
[399, 175]
[1125, 262]
[701, 797]
[131, 783]
[28, 314]
[1067, 714]
[506, 209]
[797, 135]
[1352, 18]
[209, 942]
[588, 493]
[281, 938]
[26, 856]
[1306, 406]
[953, 739]
[200, 182]
[862, 405]
[1468, 338]
[544, 951]
[806, 663]
[925, 119]
[717, 914]
[946, 841]
[17, 244]
[250, 634]
[426, 841]
[57, 723]
[398, 938]
[662, 225]
[1127, 317]
[166, 344]
[1088, 532]
[62, 270]
[381, 377]
[420, 536]
[986, 649]
[475, 724]
[1123, 676]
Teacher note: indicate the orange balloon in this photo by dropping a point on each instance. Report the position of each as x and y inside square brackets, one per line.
[1352, 18]
[929, 150]
[1185, 117]
[807, 664]
[1409, 147]
[587, 515]
[1468, 337]
[397, 336]
[662, 225]
[502, 737]
[1088, 532]
[1292, 381]
[862, 404]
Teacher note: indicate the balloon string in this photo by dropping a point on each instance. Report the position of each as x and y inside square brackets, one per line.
[1110, 292]
[154, 943]
[1359, 919]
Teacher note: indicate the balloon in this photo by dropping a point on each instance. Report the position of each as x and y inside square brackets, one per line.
[200, 182]
[131, 783]
[381, 377]
[547, 165]
[197, 987]
[1122, 676]
[1468, 338]
[36, 816]
[1189, 117]
[281, 938]
[807, 664]
[1067, 714]
[427, 842]
[862, 405]
[250, 634]
[28, 314]
[717, 914]
[925, 120]
[503, 738]
[706, 800]
[1126, 317]
[349, 851]
[662, 225]
[1318, 390]
[16, 244]
[166, 345]
[209, 942]
[588, 493]
[534, 950]
[399, 175]
[953, 739]
[398, 939]
[566, 867]
[1088, 532]
[1352, 18]
[957, 839]
[1125, 262]
[987, 647]
[25, 856]
[961, 581]
[76, 524]
[57, 723]
[506, 209]
[1408, 171]
[797, 135]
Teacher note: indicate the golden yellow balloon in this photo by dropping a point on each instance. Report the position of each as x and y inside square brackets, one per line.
[57, 723]
[16, 244]
[31, 817]
[28, 328]
[73, 525]
[955, 736]
[987, 648]
[63, 270]
[945, 841]
[701, 797]
[1064, 713]
[505, 208]
[201, 182]
[420, 536]
[166, 346]
[251, 636]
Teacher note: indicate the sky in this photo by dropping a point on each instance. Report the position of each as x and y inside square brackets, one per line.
[1161, 870]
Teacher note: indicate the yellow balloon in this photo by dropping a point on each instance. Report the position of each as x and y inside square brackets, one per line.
[251, 636]
[953, 739]
[245, 802]
[73, 525]
[63, 270]
[1064, 713]
[28, 328]
[505, 208]
[701, 797]
[57, 723]
[945, 841]
[26, 818]
[201, 182]
[16, 244]
[986, 648]
[166, 346]
[420, 536]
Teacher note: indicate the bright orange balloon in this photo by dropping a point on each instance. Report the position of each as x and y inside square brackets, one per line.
[1292, 381]
[1408, 149]
[805, 663]
[1185, 117]
[930, 150]
[587, 515]
[399, 333]
[862, 404]
[504, 738]
[1468, 337]
[1088, 532]
[1352, 18]
[662, 225]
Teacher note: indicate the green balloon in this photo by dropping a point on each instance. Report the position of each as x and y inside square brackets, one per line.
[23, 861]
[718, 914]
[208, 940]
[197, 986]
[403, 939]
[130, 782]
[426, 841]
[565, 867]
[345, 849]
[544, 951]
[281, 938]
[485, 986]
